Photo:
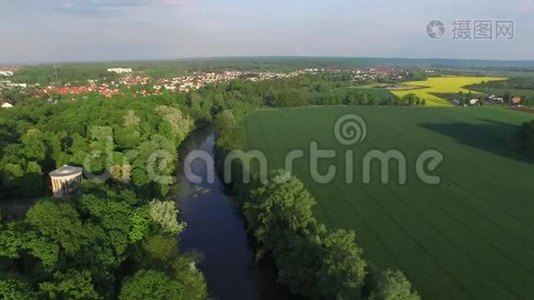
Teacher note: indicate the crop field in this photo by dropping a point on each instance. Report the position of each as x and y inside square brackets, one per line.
[441, 85]
[470, 236]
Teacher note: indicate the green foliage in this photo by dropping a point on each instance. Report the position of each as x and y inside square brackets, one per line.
[165, 214]
[159, 252]
[411, 99]
[186, 273]
[41, 247]
[288, 98]
[70, 285]
[299, 261]
[12, 289]
[148, 284]
[281, 205]
[140, 220]
[312, 261]
[113, 219]
[227, 130]
[60, 222]
[127, 137]
[180, 125]
[83, 248]
[34, 146]
[160, 248]
[394, 286]
[343, 268]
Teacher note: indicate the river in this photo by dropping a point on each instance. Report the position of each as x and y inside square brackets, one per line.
[215, 229]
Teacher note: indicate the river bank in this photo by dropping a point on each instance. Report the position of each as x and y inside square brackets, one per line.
[217, 231]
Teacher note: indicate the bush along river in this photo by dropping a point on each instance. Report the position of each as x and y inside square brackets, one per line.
[217, 231]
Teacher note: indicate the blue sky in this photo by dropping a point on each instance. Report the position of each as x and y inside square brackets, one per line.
[82, 30]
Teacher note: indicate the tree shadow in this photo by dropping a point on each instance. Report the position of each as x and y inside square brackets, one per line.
[489, 135]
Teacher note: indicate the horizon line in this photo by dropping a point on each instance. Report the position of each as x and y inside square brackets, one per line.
[199, 58]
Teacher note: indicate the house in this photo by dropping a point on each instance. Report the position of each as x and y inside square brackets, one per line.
[18, 85]
[495, 99]
[473, 101]
[120, 70]
[516, 100]
[6, 105]
[6, 73]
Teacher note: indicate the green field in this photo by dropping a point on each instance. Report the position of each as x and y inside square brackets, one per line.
[441, 85]
[471, 236]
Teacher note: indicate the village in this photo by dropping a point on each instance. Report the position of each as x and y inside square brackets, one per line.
[125, 78]
[128, 78]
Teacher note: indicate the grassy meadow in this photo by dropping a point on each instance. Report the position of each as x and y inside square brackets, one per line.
[468, 237]
[441, 85]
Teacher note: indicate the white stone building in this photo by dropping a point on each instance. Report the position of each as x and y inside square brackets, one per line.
[65, 180]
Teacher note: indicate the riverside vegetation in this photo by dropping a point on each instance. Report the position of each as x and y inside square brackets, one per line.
[110, 241]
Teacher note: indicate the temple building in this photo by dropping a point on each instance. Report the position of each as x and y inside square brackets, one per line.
[65, 180]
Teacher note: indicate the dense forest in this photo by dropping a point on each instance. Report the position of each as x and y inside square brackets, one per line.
[110, 239]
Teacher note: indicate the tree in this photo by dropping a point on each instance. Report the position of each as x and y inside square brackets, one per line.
[127, 137]
[291, 97]
[111, 226]
[148, 284]
[343, 272]
[393, 285]
[17, 241]
[12, 289]
[298, 260]
[131, 119]
[165, 214]
[33, 145]
[59, 222]
[180, 125]
[225, 124]
[160, 248]
[70, 285]
[191, 278]
[283, 204]
[364, 100]
[140, 220]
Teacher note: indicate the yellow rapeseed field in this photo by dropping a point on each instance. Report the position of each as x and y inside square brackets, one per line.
[445, 84]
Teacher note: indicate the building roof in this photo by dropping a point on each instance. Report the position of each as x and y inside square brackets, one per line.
[66, 170]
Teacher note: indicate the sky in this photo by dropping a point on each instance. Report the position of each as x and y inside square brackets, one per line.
[34, 31]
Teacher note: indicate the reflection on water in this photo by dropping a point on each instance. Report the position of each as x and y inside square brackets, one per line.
[215, 229]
